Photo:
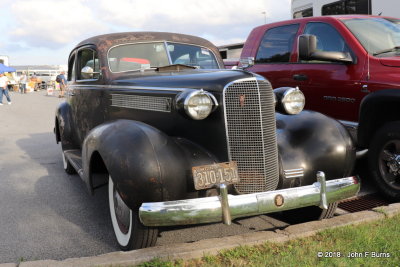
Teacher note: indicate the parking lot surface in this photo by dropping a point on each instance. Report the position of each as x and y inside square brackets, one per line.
[47, 214]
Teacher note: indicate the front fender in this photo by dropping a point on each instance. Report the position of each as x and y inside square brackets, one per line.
[145, 164]
[63, 127]
[313, 142]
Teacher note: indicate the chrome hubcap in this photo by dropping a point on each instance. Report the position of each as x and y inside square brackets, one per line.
[394, 165]
[389, 164]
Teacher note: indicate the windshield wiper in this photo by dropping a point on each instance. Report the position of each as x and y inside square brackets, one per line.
[393, 49]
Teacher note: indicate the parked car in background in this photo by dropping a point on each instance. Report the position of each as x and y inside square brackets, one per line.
[178, 140]
[47, 76]
[348, 67]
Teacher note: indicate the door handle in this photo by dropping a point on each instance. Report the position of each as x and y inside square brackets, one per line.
[300, 77]
[365, 89]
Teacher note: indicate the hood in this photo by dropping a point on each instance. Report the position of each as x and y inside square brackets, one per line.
[390, 61]
[210, 80]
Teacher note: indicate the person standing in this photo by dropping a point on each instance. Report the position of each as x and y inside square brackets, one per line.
[63, 83]
[4, 88]
[22, 81]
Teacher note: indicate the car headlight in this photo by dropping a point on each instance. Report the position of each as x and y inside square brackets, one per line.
[290, 100]
[199, 104]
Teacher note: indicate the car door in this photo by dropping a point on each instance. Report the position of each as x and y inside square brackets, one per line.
[332, 88]
[86, 95]
[274, 53]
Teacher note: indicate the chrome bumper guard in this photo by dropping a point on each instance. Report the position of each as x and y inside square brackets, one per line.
[226, 207]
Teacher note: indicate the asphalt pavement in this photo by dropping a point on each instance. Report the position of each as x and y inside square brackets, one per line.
[44, 213]
[47, 214]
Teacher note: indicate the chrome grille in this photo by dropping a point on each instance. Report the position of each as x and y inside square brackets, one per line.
[251, 134]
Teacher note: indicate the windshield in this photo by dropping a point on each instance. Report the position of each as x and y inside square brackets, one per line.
[376, 35]
[131, 57]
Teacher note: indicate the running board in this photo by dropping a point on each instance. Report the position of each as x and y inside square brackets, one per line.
[74, 156]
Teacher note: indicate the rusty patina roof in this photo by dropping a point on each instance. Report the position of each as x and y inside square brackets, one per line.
[104, 42]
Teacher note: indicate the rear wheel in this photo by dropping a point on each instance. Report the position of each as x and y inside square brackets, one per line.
[68, 168]
[384, 160]
[129, 231]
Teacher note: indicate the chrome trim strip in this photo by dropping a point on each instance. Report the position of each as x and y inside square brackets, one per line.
[353, 124]
[299, 175]
[208, 209]
[130, 87]
[262, 125]
[361, 153]
[293, 173]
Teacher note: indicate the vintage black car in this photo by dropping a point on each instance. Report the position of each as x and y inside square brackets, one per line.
[180, 140]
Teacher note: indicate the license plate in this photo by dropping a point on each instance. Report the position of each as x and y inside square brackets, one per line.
[207, 176]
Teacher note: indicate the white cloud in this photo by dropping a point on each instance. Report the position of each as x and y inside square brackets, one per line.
[56, 25]
[51, 23]
[143, 14]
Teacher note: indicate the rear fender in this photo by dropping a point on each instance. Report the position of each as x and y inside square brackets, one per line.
[63, 129]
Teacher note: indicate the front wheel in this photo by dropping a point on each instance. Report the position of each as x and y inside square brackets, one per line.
[129, 231]
[384, 160]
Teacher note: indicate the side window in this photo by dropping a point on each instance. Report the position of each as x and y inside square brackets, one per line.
[303, 13]
[335, 8]
[71, 68]
[347, 7]
[88, 64]
[328, 39]
[276, 45]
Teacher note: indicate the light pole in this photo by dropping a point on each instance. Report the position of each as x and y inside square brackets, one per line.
[265, 16]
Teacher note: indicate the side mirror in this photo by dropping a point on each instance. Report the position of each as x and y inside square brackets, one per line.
[307, 46]
[88, 73]
[247, 62]
[308, 51]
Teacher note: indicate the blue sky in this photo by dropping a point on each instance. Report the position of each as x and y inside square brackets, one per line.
[34, 32]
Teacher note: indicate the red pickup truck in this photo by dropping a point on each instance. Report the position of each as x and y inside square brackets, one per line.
[348, 67]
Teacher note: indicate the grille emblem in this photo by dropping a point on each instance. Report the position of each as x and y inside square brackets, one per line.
[241, 100]
[279, 200]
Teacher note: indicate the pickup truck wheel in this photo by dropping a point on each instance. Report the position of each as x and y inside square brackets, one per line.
[384, 160]
[129, 231]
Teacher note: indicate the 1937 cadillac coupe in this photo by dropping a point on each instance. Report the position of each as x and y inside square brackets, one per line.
[180, 140]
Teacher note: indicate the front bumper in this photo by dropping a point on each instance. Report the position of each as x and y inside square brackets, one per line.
[210, 209]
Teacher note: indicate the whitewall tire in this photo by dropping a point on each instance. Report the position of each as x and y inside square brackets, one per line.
[129, 232]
